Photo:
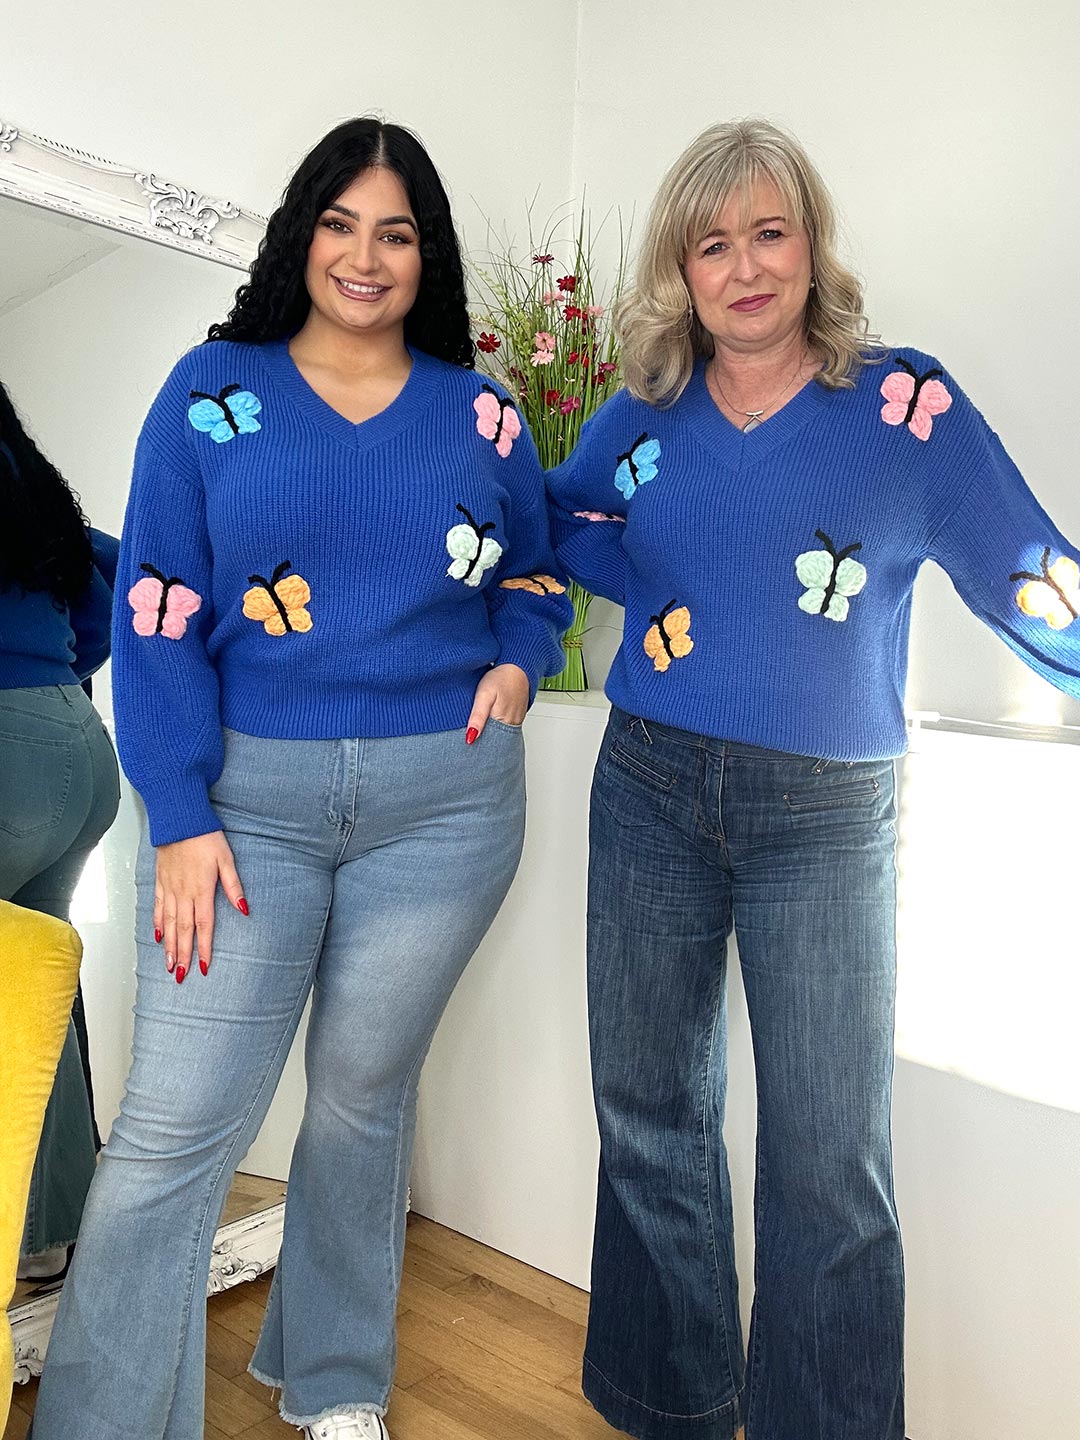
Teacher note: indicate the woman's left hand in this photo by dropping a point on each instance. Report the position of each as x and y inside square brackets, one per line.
[503, 694]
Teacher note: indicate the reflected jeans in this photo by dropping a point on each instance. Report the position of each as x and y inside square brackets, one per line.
[59, 792]
[372, 869]
[691, 836]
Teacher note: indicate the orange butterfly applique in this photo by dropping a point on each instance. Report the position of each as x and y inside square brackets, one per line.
[668, 638]
[279, 602]
[1053, 596]
[535, 584]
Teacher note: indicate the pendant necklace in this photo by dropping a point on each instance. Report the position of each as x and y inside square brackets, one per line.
[754, 418]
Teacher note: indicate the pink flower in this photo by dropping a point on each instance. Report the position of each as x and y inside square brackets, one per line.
[594, 310]
[542, 357]
[606, 368]
[543, 341]
[550, 297]
[570, 404]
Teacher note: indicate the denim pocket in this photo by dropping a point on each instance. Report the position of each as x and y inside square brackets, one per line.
[35, 777]
[644, 767]
[835, 789]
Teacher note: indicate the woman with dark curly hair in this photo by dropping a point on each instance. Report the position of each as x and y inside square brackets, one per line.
[59, 785]
[333, 547]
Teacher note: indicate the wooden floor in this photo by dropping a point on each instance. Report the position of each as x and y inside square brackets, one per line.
[488, 1349]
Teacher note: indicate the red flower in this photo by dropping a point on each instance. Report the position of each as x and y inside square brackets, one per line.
[586, 359]
[488, 343]
[572, 358]
[545, 260]
[571, 312]
[568, 284]
[551, 396]
[570, 404]
[606, 368]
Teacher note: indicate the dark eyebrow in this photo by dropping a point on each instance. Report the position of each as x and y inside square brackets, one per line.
[390, 220]
[765, 220]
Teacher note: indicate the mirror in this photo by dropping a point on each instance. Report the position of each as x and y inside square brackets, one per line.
[91, 321]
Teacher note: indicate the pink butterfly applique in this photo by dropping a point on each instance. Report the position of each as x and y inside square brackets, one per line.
[497, 420]
[161, 605]
[598, 515]
[914, 399]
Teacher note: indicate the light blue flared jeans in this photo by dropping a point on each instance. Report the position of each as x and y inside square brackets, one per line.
[372, 869]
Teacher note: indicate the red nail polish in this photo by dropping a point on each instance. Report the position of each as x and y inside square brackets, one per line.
[157, 937]
[242, 906]
[181, 971]
[203, 966]
[471, 734]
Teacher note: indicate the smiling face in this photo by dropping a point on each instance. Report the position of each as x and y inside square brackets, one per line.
[749, 282]
[363, 263]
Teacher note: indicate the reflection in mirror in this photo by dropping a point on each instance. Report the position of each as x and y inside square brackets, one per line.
[91, 322]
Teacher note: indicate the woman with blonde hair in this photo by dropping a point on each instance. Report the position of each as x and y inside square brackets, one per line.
[760, 498]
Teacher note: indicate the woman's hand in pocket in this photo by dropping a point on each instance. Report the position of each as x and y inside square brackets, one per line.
[188, 872]
[503, 694]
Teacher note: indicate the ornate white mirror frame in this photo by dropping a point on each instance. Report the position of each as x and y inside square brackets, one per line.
[59, 177]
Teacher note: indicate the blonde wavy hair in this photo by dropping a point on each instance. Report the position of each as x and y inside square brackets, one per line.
[658, 330]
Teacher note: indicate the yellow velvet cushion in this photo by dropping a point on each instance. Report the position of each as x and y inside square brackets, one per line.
[39, 970]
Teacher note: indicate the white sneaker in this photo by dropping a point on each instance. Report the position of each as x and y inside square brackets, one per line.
[355, 1425]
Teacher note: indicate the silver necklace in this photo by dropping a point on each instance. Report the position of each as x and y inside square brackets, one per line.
[754, 418]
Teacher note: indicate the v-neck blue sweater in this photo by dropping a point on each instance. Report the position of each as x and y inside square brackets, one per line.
[767, 577]
[289, 574]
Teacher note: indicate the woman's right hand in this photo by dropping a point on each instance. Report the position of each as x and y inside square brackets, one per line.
[188, 872]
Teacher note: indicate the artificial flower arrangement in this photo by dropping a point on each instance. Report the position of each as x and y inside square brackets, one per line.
[544, 335]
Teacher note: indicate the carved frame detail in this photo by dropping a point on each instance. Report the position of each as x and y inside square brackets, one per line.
[243, 1250]
[137, 202]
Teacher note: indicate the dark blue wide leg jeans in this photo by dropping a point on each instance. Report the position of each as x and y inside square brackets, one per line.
[691, 837]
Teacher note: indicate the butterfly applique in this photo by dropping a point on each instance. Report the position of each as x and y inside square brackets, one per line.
[223, 416]
[472, 549]
[831, 576]
[668, 637]
[162, 606]
[1053, 596]
[914, 399]
[598, 515]
[279, 602]
[535, 584]
[497, 420]
[637, 465]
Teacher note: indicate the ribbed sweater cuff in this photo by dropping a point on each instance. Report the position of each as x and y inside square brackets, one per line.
[177, 807]
[533, 649]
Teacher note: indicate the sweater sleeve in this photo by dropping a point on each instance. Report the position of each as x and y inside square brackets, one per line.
[165, 689]
[528, 608]
[588, 511]
[91, 615]
[1010, 564]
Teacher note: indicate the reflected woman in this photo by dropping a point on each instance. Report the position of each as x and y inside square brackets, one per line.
[59, 783]
[760, 498]
[321, 674]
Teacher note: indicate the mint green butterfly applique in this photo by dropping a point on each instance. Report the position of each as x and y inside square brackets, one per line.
[831, 578]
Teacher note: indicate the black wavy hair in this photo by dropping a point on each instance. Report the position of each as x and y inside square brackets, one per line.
[274, 302]
[44, 542]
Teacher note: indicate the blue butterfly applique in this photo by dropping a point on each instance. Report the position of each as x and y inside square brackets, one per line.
[637, 465]
[230, 412]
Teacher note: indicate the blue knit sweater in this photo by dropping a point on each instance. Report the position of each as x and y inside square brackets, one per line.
[767, 577]
[42, 643]
[289, 574]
